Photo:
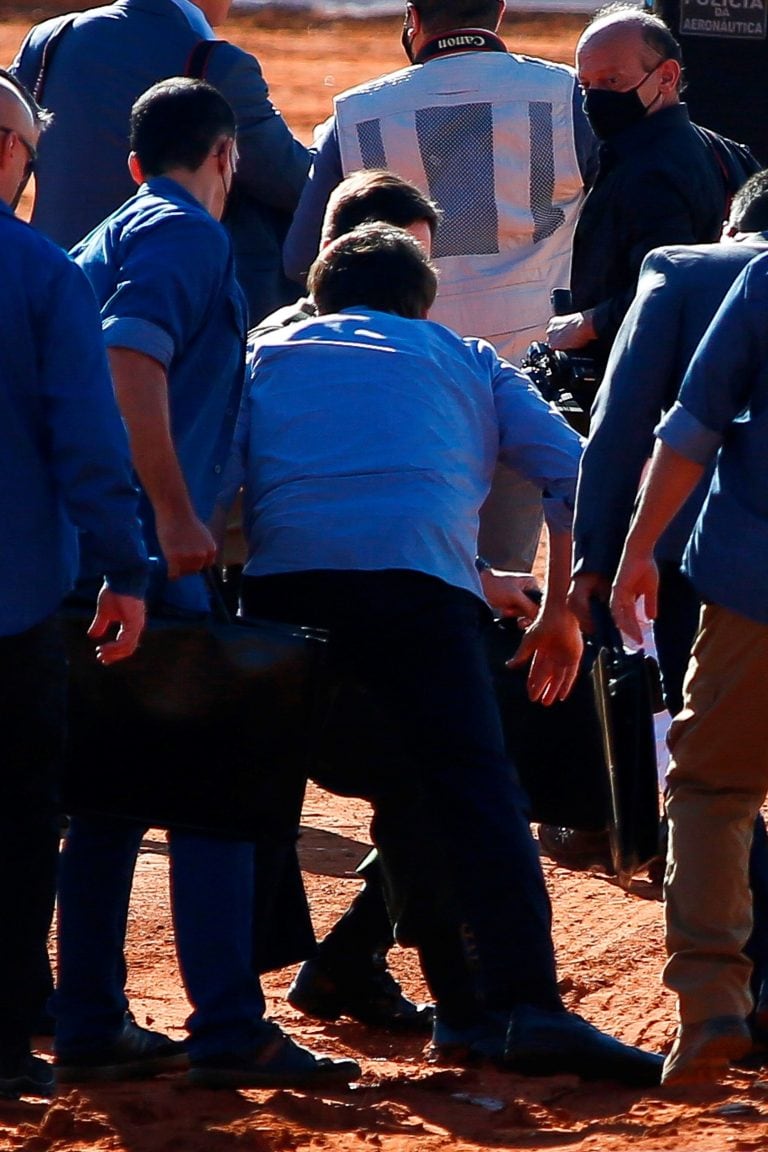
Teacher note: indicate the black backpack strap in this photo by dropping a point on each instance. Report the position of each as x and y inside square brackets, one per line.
[49, 51]
[736, 162]
[199, 58]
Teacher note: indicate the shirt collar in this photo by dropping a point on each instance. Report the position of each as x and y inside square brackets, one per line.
[196, 19]
[170, 189]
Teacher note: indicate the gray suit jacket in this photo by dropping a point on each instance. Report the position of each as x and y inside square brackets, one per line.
[679, 291]
[102, 64]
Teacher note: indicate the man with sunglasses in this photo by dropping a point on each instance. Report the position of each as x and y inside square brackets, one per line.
[13, 138]
[65, 467]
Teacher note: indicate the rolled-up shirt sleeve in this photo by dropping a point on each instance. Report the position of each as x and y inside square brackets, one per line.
[717, 385]
[139, 335]
[683, 432]
[159, 315]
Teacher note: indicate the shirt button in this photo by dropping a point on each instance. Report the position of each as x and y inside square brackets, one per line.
[217, 468]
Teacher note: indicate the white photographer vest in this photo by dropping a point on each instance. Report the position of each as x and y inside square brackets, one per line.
[490, 137]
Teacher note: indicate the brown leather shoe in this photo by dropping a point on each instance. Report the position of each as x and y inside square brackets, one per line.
[703, 1051]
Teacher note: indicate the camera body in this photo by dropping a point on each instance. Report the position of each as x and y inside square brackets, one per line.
[567, 381]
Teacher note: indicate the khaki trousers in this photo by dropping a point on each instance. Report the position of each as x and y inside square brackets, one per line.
[717, 781]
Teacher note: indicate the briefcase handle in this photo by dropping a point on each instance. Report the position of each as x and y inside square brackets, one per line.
[606, 633]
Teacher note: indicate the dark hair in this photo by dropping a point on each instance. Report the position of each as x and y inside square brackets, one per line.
[41, 116]
[749, 208]
[175, 123]
[443, 15]
[374, 266]
[376, 196]
[655, 33]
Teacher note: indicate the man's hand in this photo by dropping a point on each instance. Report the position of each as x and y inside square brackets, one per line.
[585, 587]
[636, 577]
[554, 641]
[128, 613]
[571, 331]
[506, 592]
[186, 544]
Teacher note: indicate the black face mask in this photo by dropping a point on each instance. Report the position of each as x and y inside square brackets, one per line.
[610, 112]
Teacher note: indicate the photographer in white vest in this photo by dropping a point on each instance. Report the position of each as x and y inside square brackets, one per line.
[501, 144]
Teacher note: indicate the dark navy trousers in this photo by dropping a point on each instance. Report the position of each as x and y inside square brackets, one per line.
[32, 705]
[461, 870]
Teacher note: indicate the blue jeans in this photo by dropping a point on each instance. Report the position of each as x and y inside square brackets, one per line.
[33, 677]
[212, 884]
[461, 870]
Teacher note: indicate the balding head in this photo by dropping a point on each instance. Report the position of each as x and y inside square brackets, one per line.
[630, 52]
[21, 122]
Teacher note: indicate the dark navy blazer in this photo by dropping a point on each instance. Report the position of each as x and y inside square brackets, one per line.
[99, 68]
[679, 291]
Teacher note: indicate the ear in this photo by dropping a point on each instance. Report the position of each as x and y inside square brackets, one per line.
[135, 169]
[669, 76]
[502, 10]
[6, 148]
[414, 19]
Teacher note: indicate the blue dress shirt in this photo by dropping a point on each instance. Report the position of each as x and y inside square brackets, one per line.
[163, 273]
[368, 441]
[722, 412]
[65, 459]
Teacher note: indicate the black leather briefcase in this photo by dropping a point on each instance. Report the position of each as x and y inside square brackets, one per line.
[624, 700]
[207, 726]
[557, 750]
[588, 762]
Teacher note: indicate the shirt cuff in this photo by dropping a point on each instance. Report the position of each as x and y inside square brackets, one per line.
[130, 582]
[140, 336]
[681, 431]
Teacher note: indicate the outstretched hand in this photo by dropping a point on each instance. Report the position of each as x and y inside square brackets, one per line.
[128, 613]
[635, 578]
[554, 646]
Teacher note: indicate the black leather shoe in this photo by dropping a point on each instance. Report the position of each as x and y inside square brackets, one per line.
[135, 1054]
[277, 1063]
[485, 1040]
[370, 995]
[546, 1043]
[577, 851]
[27, 1076]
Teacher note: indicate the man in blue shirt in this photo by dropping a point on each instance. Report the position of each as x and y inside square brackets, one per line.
[367, 441]
[65, 466]
[174, 322]
[719, 742]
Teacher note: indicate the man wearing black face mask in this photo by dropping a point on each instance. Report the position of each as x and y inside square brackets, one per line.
[658, 180]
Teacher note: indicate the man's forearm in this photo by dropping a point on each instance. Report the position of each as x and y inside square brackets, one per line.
[141, 387]
[671, 480]
[558, 569]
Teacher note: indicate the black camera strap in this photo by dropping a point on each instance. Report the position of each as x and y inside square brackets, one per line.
[462, 40]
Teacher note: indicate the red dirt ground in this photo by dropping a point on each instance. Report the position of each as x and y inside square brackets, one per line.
[609, 942]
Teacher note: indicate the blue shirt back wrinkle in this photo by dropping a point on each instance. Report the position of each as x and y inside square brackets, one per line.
[63, 445]
[163, 273]
[368, 441]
